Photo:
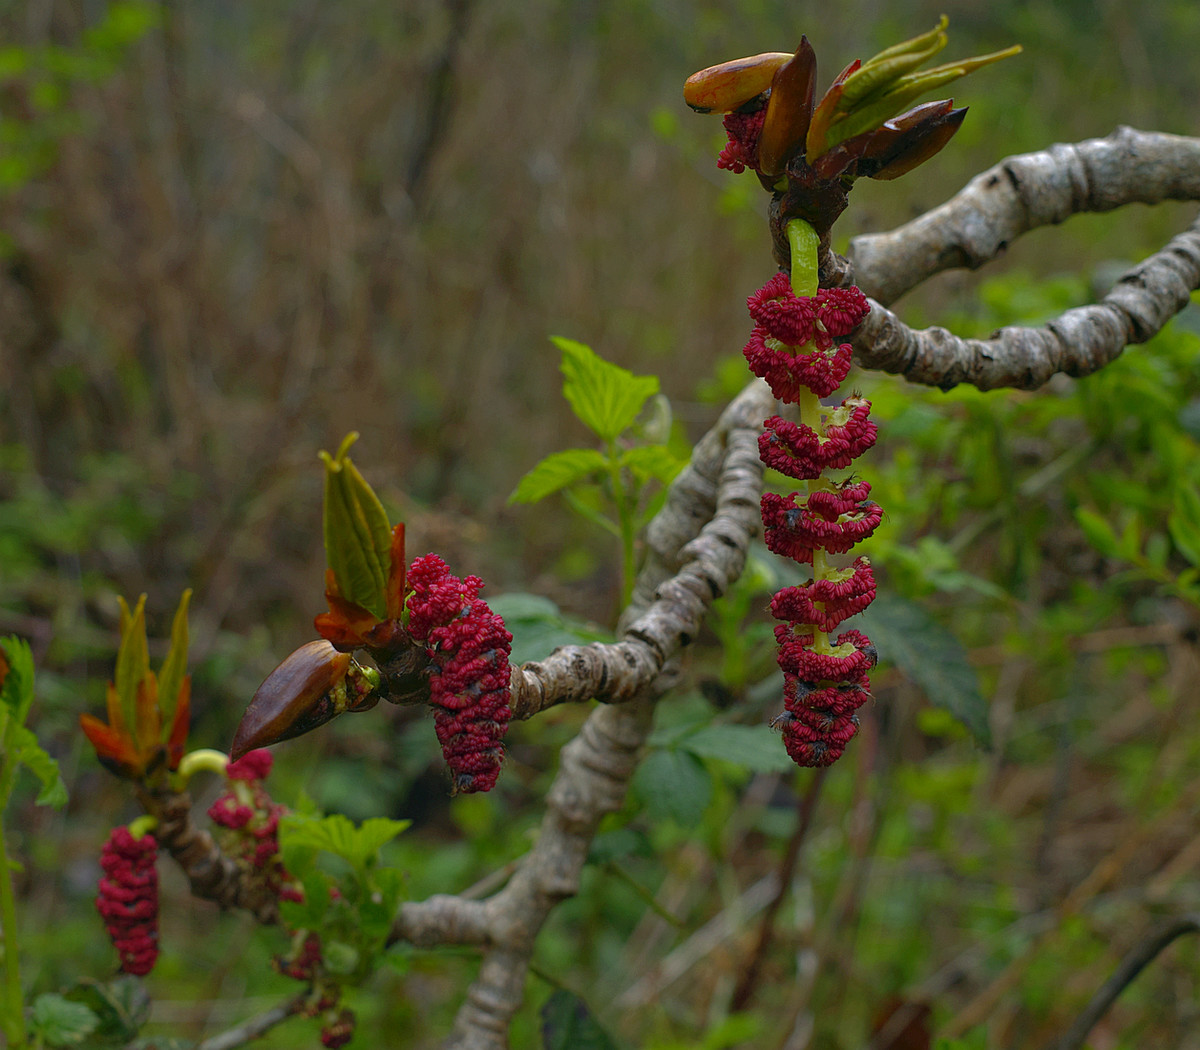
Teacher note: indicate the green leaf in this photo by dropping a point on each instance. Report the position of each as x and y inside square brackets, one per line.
[121, 1007]
[377, 907]
[309, 913]
[557, 471]
[61, 1022]
[906, 635]
[755, 747]
[29, 753]
[1098, 532]
[358, 538]
[133, 659]
[373, 834]
[605, 397]
[174, 668]
[674, 785]
[568, 1024]
[336, 834]
[17, 691]
[652, 461]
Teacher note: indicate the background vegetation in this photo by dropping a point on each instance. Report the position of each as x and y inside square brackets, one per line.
[234, 232]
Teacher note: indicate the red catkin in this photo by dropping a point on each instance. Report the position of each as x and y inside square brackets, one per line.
[128, 898]
[468, 646]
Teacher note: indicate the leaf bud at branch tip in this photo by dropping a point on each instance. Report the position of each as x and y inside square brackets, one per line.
[723, 88]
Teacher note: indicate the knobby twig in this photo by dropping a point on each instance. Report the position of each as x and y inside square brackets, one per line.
[1138, 958]
[1017, 195]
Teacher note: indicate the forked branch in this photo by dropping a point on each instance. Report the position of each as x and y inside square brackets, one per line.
[1018, 195]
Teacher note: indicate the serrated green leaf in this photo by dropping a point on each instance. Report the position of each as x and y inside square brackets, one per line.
[906, 635]
[557, 471]
[336, 834]
[1098, 532]
[60, 1021]
[17, 692]
[133, 659]
[358, 537]
[121, 1007]
[29, 753]
[755, 747]
[652, 461]
[674, 785]
[373, 834]
[568, 1024]
[174, 668]
[605, 397]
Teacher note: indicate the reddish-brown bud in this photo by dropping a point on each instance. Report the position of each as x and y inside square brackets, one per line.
[303, 692]
[789, 110]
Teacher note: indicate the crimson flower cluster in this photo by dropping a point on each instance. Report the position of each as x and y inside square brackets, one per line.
[251, 820]
[128, 898]
[468, 647]
[794, 348]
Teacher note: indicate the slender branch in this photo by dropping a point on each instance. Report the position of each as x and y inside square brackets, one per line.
[254, 1027]
[1135, 961]
[806, 806]
[1020, 194]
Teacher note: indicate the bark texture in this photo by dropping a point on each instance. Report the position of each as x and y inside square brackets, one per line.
[977, 225]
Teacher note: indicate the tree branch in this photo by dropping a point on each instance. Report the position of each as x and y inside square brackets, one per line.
[1077, 343]
[697, 546]
[1134, 962]
[1017, 195]
[211, 874]
[251, 1029]
[1020, 194]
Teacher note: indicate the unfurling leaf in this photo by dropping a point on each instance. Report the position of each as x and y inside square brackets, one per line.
[358, 537]
[605, 397]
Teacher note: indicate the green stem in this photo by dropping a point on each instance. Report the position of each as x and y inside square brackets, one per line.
[625, 521]
[203, 759]
[14, 1000]
[804, 243]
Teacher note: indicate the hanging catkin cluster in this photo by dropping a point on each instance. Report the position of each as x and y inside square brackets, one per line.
[794, 348]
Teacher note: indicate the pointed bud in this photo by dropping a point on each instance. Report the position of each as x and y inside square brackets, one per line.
[358, 537]
[915, 147]
[725, 87]
[789, 110]
[879, 72]
[818, 127]
[882, 142]
[302, 693]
